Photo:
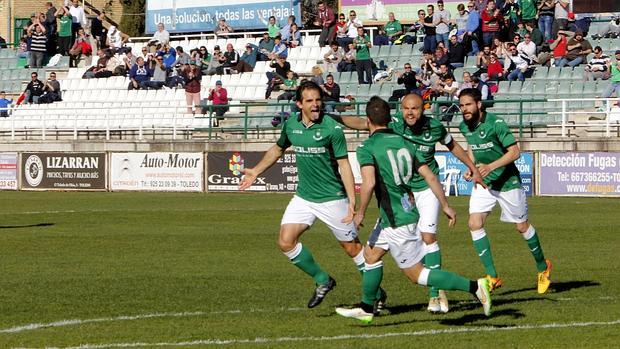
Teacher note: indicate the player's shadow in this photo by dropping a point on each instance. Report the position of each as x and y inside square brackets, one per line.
[26, 226]
[405, 308]
[473, 305]
[471, 318]
[557, 287]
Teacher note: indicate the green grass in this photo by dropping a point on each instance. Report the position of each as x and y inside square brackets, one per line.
[210, 267]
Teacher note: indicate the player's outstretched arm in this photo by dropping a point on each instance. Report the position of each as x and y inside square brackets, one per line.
[435, 185]
[354, 122]
[368, 184]
[349, 186]
[512, 154]
[462, 155]
[249, 174]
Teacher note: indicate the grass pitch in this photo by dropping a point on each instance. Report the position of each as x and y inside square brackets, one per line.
[110, 270]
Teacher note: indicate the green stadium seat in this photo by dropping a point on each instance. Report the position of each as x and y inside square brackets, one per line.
[589, 88]
[579, 73]
[515, 88]
[528, 86]
[566, 73]
[577, 89]
[539, 88]
[553, 74]
[374, 51]
[551, 88]
[374, 90]
[384, 52]
[503, 87]
[564, 87]
[458, 73]
[540, 73]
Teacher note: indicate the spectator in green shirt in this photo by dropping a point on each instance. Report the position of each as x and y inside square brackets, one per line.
[64, 30]
[272, 27]
[393, 29]
[363, 63]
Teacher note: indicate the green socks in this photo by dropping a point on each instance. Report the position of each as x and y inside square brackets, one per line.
[483, 248]
[533, 244]
[302, 258]
[371, 280]
[444, 280]
[432, 260]
[361, 265]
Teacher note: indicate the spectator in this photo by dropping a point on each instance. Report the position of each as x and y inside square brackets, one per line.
[482, 87]
[272, 27]
[101, 69]
[352, 24]
[116, 40]
[129, 59]
[279, 49]
[440, 56]
[393, 28]
[511, 11]
[495, 71]
[38, 44]
[80, 47]
[598, 67]
[78, 18]
[265, 46]
[614, 68]
[407, 78]
[460, 21]
[572, 25]
[348, 61]
[183, 57]
[342, 29]
[332, 58]
[139, 75]
[528, 10]
[456, 53]
[559, 49]
[294, 38]
[232, 58]
[22, 49]
[535, 35]
[326, 20]
[144, 53]
[578, 49]
[491, 20]
[216, 66]
[499, 48]
[4, 105]
[546, 11]
[447, 87]
[428, 64]
[51, 28]
[466, 82]
[527, 48]
[561, 16]
[438, 76]
[515, 63]
[159, 75]
[471, 38]
[441, 20]
[520, 31]
[381, 38]
[51, 90]
[247, 62]
[191, 78]
[34, 89]
[222, 28]
[411, 35]
[205, 59]
[483, 57]
[317, 75]
[289, 86]
[97, 30]
[170, 56]
[331, 95]
[219, 97]
[285, 32]
[276, 77]
[2, 42]
[363, 62]
[430, 39]
[609, 30]
[161, 37]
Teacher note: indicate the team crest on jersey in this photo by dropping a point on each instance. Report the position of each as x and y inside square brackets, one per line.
[482, 134]
[317, 135]
[427, 135]
[235, 164]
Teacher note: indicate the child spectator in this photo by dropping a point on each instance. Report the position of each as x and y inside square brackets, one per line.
[289, 86]
[4, 105]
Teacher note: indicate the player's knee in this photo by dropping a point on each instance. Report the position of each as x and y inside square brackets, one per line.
[286, 245]
[475, 223]
[352, 248]
[429, 238]
[522, 227]
[371, 258]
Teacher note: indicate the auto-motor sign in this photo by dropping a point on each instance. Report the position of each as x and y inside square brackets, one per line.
[8, 171]
[157, 171]
[63, 171]
[580, 174]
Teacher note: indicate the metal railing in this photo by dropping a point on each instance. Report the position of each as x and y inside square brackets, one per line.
[609, 116]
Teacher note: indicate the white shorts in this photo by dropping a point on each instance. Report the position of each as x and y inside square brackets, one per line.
[300, 211]
[428, 207]
[512, 202]
[404, 243]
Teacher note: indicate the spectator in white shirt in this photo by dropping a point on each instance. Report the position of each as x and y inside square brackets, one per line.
[78, 17]
[353, 23]
[441, 19]
[597, 68]
[515, 63]
[527, 48]
[161, 37]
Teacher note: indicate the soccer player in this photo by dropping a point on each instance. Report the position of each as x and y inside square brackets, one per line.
[424, 132]
[326, 189]
[494, 150]
[388, 163]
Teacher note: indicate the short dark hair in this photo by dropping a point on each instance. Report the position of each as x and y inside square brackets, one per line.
[378, 111]
[473, 93]
[475, 80]
[329, 76]
[307, 85]
[598, 48]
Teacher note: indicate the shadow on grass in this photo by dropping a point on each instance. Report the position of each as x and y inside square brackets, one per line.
[470, 318]
[557, 287]
[26, 226]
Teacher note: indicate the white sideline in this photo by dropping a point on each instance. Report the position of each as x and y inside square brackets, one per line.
[341, 337]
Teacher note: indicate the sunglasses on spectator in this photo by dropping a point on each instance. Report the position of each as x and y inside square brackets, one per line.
[407, 67]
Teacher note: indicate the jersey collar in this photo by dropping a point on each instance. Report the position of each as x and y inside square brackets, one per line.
[318, 121]
[383, 130]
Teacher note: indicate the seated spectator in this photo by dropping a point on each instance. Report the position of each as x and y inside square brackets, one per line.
[222, 28]
[265, 46]
[232, 59]
[428, 64]
[139, 74]
[38, 43]
[333, 57]
[34, 89]
[559, 48]
[440, 56]
[219, 97]
[285, 31]
[483, 57]
[160, 75]
[448, 87]
[609, 30]
[191, 81]
[100, 70]
[294, 38]
[279, 49]
[482, 87]
[527, 48]
[182, 56]
[515, 65]
[216, 66]
[331, 94]
[407, 78]
[289, 86]
[116, 40]
[456, 54]
[129, 59]
[161, 37]
[393, 28]
[348, 60]
[317, 75]
[4, 105]
[51, 90]
[205, 59]
[342, 29]
[614, 80]
[247, 62]
[438, 76]
[495, 71]
[535, 35]
[411, 35]
[598, 66]
[499, 49]
[466, 82]
[22, 49]
[578, 49]
[80, 48]
[381, 38]
[275, 78]
[170, 56]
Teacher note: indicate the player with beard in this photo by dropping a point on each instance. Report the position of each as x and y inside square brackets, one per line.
[495, 150]
[325, 190]
[424, 132]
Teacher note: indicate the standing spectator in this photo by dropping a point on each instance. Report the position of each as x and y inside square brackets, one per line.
[248, 59]
[78, 18]
[64, 32]
[516, 64]
[363, 63]
[546, 11]
[441, 20]
[407, 78]
[331, 95]
[348, 61]
[577, 50]
[79, 48]
[511, 11]
[471, 38]
[285, 32]
[491, 19]
[160, 75]
[456, 53]
[393, 28]
[561, 16]
[327, 21]
[276, 77]
[219, 97]
[352, 23]
[222, 28]
[34, 89]
[294, 38]
[279, 49]
[217, 62]
[98, 31]
[139, 74]
[430, 39]
[51, 28]
[38, 43]
[598, 67]
[272, 27]
[332, 58]
[161, 37]
[614, 85]
[265, 46]
[4, 105]
[116, 40]
[528, 10]
[232, 58]
[460, 20]
[342, 29]
[51, 90]
[191, 77]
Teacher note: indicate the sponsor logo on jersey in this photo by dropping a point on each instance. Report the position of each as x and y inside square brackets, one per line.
[236, 163]
[310, 150]
[482, 146]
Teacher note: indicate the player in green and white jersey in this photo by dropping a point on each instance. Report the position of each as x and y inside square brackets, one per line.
[494, 150]
[388, 163]
[325, 190]
[425, 132]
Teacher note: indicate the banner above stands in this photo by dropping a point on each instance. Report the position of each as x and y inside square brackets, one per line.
[188, 16]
